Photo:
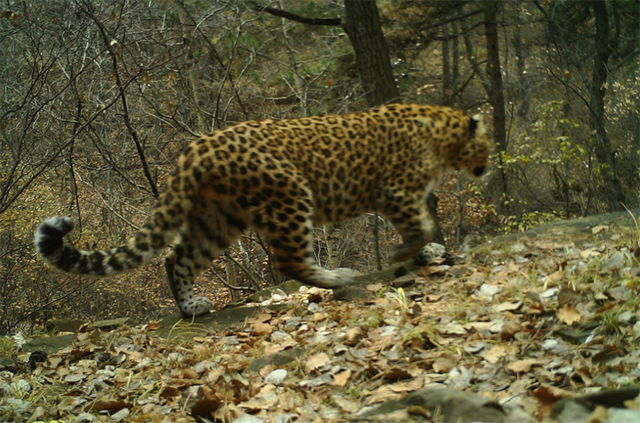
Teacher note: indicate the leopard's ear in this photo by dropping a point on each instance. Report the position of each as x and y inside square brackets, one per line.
[476, 125]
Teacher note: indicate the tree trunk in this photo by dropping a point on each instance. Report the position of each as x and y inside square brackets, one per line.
[523, 78]
[636, 127]
[194, 74]
[495, 91]
[455, 56]
[446, 68]
[362, 24]
[603, 149]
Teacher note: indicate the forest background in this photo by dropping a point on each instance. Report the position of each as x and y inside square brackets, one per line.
[98, 98]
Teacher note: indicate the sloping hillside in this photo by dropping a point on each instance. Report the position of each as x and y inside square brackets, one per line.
[509, 329]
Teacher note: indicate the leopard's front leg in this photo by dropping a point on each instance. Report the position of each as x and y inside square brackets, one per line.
[289, 231]
[409, 214]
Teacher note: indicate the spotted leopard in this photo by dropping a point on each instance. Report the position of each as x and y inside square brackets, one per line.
[282, 177]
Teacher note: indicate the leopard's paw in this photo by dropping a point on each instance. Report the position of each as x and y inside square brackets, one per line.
[198, 306]
[335, 278]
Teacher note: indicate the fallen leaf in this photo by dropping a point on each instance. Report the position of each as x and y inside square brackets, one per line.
[494, 354]
[555, 276]
[524, 366]
[353, 335]
[589, 254]
[533, 309]
[341, 379]
[205, 407]
[215, 374]
[346, 404]
[382, 394]
[507, 306]
[86, 328]
[374, 287]
[433, 298]
[316, 361]
[509, 330]
[452, 328]
[478, 326]
[261, 329]
[152, 326]
[569, 315]
[262, 317]
[189, 374]
[409, 385]
[444, 364]
[262, 401]
[548, 396]
[396, 373]
[170, 391]
[636, 330]
[74, 378]
[111, 406]
[601, 296]
[600, 228]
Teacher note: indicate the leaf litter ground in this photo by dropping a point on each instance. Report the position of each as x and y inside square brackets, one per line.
[524, 323]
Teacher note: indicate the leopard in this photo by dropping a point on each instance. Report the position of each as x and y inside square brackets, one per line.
[283, 178]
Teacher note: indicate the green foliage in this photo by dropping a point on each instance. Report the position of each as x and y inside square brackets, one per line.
[400, 296]
[376, 319]
[611, 322]
[551, 140]
[512, 224]
[550, 165]
[424, 334]
[7, 347]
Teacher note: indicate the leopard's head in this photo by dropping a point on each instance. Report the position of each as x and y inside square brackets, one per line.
[472, 156]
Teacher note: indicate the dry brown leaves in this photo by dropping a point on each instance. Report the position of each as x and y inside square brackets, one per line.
[526, 325]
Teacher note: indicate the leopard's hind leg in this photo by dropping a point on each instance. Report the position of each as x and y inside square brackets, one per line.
[210, 232]
[184, 263]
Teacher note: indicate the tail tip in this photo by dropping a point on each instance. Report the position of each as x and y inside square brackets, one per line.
[53, 228]
[62, 224]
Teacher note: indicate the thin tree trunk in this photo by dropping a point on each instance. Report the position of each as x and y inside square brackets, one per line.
[523, 78]
[603, 148]
[455, 56]
[496, 92]
[446, 68]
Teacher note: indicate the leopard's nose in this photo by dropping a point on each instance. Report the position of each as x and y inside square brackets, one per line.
[478, 171]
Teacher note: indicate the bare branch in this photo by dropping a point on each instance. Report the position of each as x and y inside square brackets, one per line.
[293, 17]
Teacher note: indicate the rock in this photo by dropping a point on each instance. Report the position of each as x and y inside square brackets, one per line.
[248, 418]
[463, 407]
[278, 359]
[276, 377]
[487, 290]
[322, 380]
[65, 325]
[49, 345]
[615, 262]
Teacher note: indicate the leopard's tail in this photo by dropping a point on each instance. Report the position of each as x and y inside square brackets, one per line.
[137, 251]
[167, 221]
